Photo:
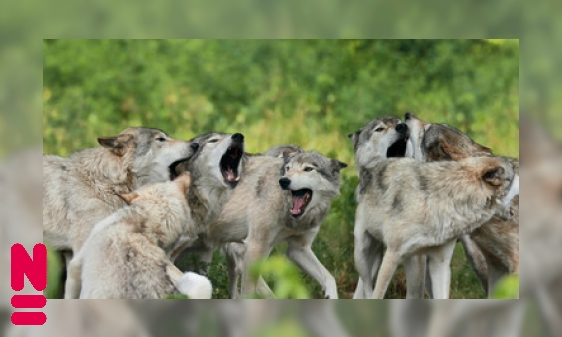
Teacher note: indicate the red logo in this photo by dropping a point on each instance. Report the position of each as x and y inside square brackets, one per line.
[36, 271]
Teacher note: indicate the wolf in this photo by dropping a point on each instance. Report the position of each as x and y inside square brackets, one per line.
[83, 189]
[281, 200]
[493, 248]
[387, 145]
[541, 279]
[216, 170]
[235, 251]
[421, 208]
[127, 254]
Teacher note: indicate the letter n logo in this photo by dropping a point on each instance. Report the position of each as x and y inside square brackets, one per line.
[36, 271]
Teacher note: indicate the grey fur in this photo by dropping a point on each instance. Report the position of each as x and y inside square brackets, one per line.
[281, 151]
[83, 189]
[264, 222]
[209, 191]
[127, 255]
[458, 199]
[492, 249]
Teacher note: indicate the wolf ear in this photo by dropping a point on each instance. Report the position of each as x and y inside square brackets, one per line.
[354, 137]
[483, 148]
[128, 197]
[287, 155]
[183, 181]
[338, 165]
[117, 144]
[493, 176]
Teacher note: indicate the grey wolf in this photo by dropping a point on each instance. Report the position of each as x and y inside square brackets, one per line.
[235, 251]
[281, 200]
[215, 169]
[421, 208]
[493, 248]
[83, 189]
[540, 281]
[371, 141]
[127, 254]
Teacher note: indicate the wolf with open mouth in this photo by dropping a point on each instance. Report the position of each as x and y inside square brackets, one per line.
[216, 169]
[277, 200]
[416, 208]
[83, 189]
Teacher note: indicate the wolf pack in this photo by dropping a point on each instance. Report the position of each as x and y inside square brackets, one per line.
[124, 213]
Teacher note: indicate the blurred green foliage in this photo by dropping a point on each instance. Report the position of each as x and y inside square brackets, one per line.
[285, 277]
[507, 288]
[53, 276]
[307, 92]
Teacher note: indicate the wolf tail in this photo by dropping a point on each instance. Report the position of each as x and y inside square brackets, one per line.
[195, 286]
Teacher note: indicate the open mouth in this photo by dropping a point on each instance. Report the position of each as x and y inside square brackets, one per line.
[173, 168]
[398, 149]
[301, 198]
[229, 164]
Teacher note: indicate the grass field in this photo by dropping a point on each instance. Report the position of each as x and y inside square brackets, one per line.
[309, 92]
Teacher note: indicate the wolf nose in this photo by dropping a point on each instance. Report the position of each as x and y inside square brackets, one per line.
[238, 137]
[401, 127]
[194, 146]
[408, 115]
[284, 182]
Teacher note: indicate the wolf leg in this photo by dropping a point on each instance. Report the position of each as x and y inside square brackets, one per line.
[477, 261]
[300, 252]
[74, 278]
[440, 269]
[234, 252]
[414, 267]
[255, 250]
[390, 261]
[368, 255]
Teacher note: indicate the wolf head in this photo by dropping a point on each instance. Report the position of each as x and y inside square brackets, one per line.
[383, 137]
[499, 176]
[308, 176]
[436, 142]
[219, 159]
[154, 154]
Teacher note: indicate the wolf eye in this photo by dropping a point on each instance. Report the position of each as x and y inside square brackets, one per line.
[161, 139]
[213, 140]
[308, 169]
[379, 129]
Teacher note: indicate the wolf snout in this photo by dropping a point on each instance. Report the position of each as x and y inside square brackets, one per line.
[402, 128]
[194, 146]
[238, 137]
[284, 182]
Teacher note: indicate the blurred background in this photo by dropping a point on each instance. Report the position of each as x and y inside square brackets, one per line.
[306, 92]
[537, 24]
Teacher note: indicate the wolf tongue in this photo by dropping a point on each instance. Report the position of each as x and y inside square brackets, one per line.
[230, 175]
[298, 202]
